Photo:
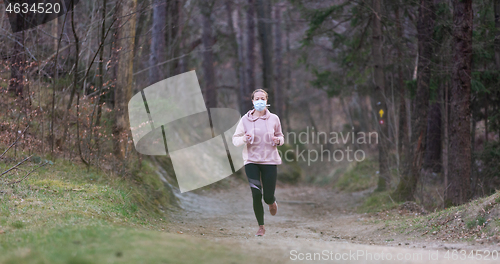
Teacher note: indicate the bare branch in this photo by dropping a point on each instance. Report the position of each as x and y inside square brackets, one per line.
[19, 43]
[17, 139]
[46, 61]
[21, 162]
[14, 182]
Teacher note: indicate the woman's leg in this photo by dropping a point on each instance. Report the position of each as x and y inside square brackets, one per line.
[253, 175]
[269, 175]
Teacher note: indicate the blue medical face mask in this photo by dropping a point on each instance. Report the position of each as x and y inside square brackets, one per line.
[259, 105]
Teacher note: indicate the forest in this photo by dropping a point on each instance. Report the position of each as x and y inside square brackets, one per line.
[424, 76]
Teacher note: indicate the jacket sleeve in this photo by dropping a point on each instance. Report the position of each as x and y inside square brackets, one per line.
[239, 135]
[278, 133]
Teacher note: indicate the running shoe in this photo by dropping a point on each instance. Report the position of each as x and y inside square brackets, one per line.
[261, 231]
[273, 208]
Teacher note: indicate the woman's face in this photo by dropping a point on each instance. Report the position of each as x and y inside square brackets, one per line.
[259, 96]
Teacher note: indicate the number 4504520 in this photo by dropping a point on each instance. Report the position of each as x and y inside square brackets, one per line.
[47, 8]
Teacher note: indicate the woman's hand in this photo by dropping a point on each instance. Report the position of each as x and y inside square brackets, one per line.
[248, 138]
[276, 140]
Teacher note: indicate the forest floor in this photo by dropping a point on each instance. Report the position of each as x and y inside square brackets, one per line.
[63, 213]
[321, 220]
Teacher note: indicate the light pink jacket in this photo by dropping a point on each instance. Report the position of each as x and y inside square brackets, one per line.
[261, 148]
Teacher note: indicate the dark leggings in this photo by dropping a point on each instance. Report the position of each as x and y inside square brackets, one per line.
[268, 173]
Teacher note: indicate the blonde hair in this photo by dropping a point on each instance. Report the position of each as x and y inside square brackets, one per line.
[260, 90]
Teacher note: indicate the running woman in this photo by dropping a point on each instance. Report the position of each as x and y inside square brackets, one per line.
[260, 131]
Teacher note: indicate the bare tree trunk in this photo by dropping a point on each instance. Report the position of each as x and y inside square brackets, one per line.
[446, 137]
[100, 81]
[78, 129]
[250, 70]
[497, 33]
[142, 20]
[172, 37]
[403, 135]
[182, 44]
[56, 78]
[379, 101]
[289, 78]
[486, 105]
[236, 43]
[75, 79]
[474, 118]
[123, 89]
[266, 44]
[208, 60]
[278, 96]
[17, 65]
[307, 107]
[156, 53]
[497, 61]
[425, 24]
[54, 30]
[460, 109]
[433, 145]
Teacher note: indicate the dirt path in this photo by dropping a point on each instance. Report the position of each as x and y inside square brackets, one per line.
[309, 220]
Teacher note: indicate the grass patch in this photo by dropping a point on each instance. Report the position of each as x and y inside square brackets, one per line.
[376, 202]
[360, 176]
[64, 214]
[103, 243]
[17, 224]
[479, 221]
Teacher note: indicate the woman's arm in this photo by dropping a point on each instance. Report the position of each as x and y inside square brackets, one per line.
[278, 133]
[239, 135]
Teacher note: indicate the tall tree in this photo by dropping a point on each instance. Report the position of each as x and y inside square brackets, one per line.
[403, 135]
[208, 58]
[460, 106]
[266, 44]
[497, 32]
[278, 96]
[123, 89]
[17, 64]
[379, 103]
[156, 53]
[172, 38]
[496, 9]
[411, 174]
[286, 108]
[433, 145]
[236, 41]
[100, 80]
[75, 78]
[250, 54]
[54, 28]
